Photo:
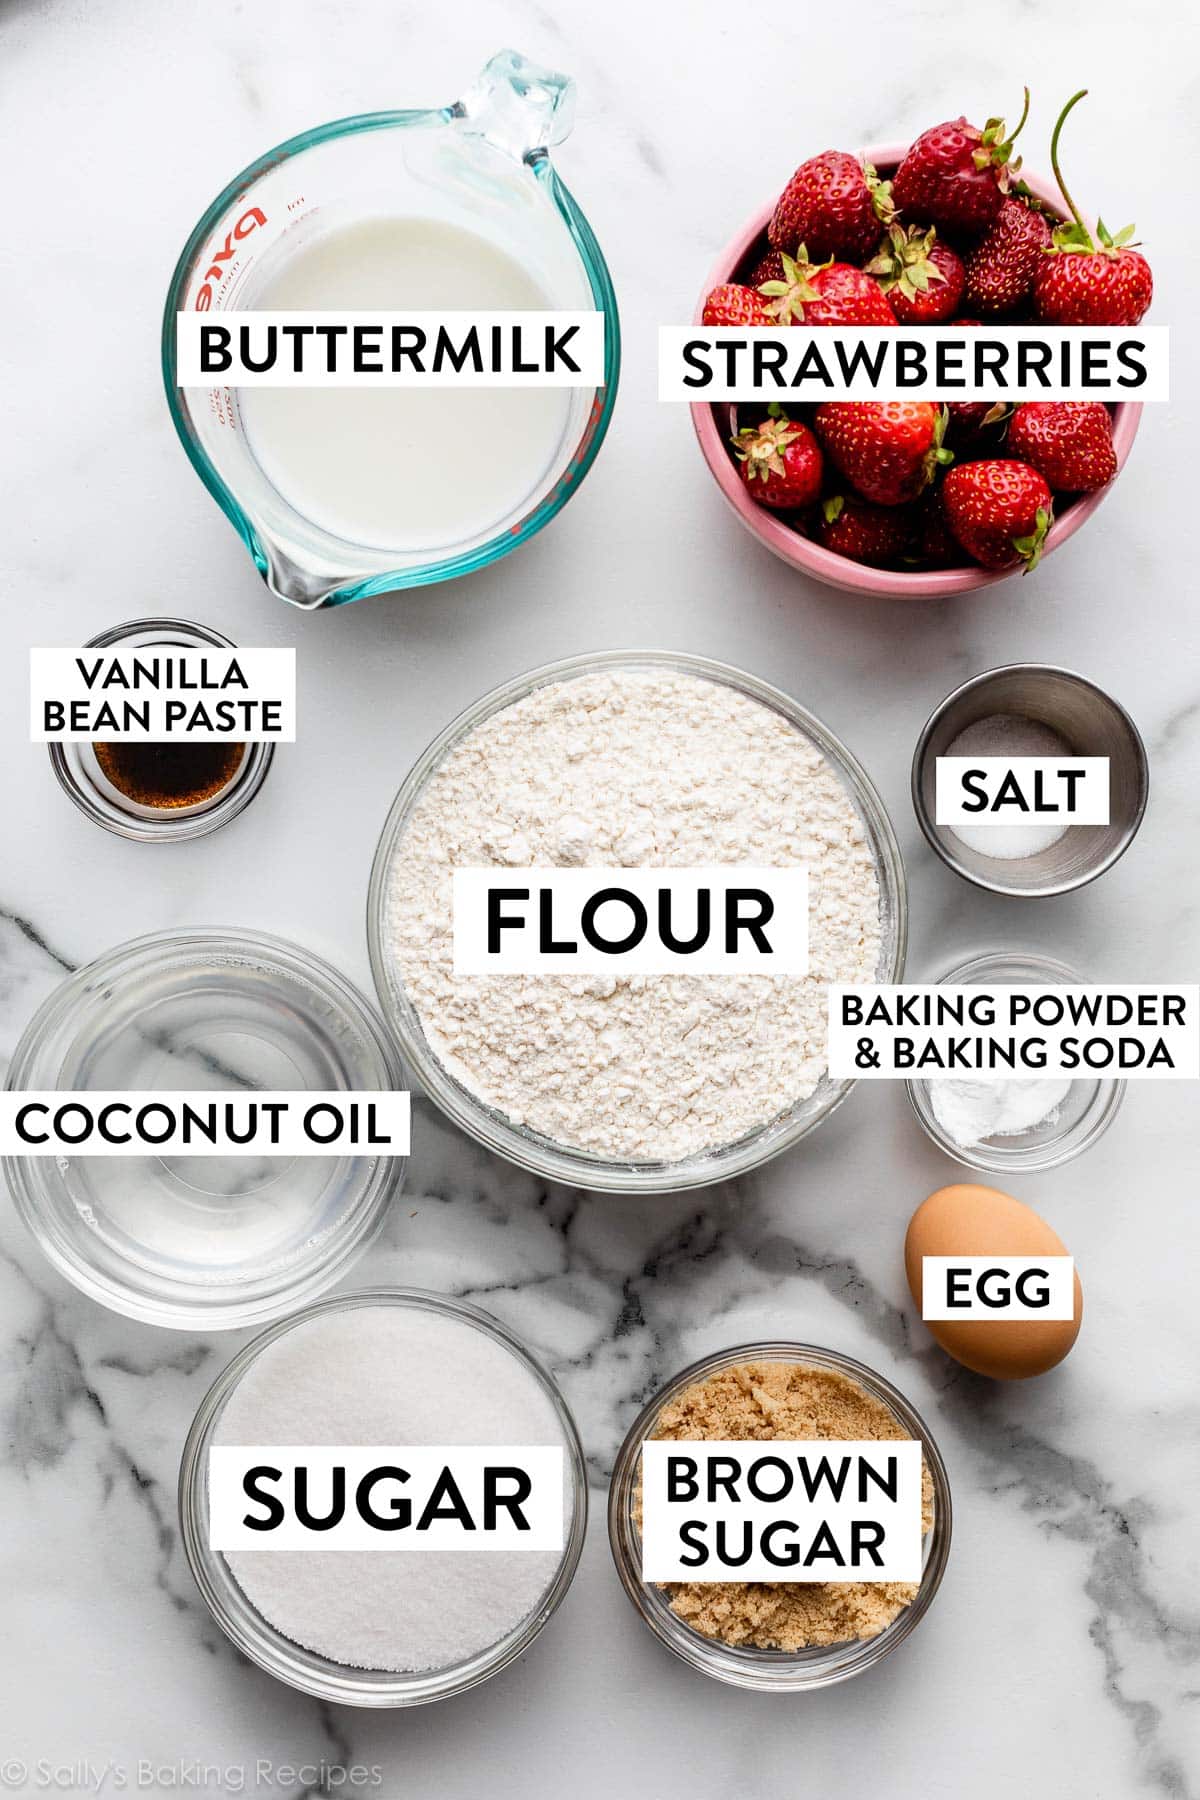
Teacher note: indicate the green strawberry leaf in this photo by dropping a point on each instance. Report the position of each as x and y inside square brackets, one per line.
[1029, 548]
[1111, 243]
[1073, 236]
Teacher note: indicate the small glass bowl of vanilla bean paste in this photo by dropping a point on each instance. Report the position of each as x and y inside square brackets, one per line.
[160, 792]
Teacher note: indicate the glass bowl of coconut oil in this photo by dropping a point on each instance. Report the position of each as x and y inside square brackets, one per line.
[204, 1242]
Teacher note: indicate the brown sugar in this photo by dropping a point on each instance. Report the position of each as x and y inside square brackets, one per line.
[789, 1401]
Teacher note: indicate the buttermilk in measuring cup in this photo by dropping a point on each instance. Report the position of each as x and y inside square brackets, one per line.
[402, 468]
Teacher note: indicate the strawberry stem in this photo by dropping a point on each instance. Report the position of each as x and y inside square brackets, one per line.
[1058, 175]
[1014, 135]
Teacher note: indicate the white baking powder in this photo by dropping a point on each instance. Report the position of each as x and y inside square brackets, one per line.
[969, 1112]
[382, 1375]
[1009, 838]
[627, 769]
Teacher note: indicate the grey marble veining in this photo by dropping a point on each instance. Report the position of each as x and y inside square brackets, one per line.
[1063, 1654]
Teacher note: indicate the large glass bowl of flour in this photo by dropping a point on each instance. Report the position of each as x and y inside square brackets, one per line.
[644, 1084]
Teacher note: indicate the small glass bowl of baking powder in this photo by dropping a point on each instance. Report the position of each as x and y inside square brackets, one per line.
[288, 1661]
[529, 1149]
[1073, 1120]
[747, 1666]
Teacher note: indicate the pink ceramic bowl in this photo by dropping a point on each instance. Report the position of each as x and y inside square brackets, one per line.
[712, 429]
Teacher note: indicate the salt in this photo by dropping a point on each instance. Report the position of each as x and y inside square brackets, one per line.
[387, 1375]
[1009, 735]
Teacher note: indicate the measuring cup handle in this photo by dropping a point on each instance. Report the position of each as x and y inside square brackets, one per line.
[518, 106]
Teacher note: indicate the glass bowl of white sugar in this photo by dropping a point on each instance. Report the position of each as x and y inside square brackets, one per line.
[392, 1368]
[638, 759]
[1014, 1125]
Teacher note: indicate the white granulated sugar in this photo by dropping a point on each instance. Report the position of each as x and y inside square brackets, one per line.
[632, 768]
[378, 1375]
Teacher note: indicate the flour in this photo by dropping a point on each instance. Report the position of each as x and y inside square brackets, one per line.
[634, 768]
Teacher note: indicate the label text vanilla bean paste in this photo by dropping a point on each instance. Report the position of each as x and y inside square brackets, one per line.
[634, 768]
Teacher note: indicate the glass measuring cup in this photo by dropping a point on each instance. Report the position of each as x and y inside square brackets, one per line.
[481, 165]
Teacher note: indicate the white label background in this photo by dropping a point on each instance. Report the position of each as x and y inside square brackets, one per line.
[1091, 793]
[586, 348]
[786, 931]
[228, 1502]
[823, 340]
[391, 1119]
[1182, 1041]
[901, 1518]
[54, 674]
[1060, 1280]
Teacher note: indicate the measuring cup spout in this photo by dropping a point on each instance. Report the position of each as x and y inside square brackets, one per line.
[518, 106]
[308, 588]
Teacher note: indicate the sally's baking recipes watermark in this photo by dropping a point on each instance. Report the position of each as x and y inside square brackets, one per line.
[186, 1775]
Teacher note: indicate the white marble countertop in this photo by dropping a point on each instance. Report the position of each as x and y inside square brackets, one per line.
[1061, 1655]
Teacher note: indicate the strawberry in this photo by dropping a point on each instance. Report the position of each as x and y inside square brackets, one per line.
[955, 176]
[829, 293]
[976, 428]
[1000, 512]
[887, 449]
[767, 268]
[735, 305]
[875, 535]
[1080, 282]
[834, 204]
[968, 417]
[781, 461]
[934, 547]
[1068, 442]
[923, 279]
[1001, 267]
[965, 416]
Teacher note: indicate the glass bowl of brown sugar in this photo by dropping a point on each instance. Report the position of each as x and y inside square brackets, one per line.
[161, 792]
[778, 1637]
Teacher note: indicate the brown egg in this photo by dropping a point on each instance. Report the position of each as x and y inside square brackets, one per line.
[968, 1220]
